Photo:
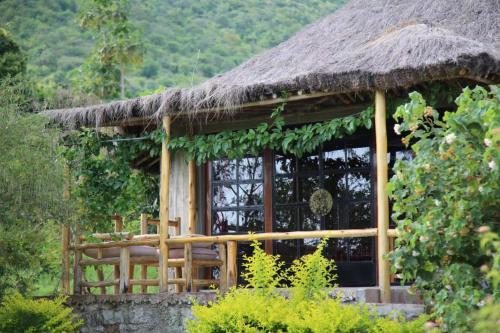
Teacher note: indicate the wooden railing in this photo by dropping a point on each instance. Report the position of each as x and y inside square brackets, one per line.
[228, 245]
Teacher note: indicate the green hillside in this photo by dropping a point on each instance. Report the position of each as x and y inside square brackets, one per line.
[186, 40]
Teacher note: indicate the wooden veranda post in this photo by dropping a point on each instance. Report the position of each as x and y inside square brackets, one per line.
[164, 206]
[382, 198]
[192, 198]
[116, 269]
[232, 266]
[65, 237]
[144, 268]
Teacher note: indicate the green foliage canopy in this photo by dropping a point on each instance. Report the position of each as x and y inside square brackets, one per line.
[446, 204]
[117, 45]
[12, 60]
[31, 183]
[187, 41]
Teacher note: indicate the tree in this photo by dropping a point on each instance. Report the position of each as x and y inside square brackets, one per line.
[117, 46]
[447, 205]
[31, 186]
[12, 60]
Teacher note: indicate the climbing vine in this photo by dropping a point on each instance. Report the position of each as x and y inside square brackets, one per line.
[295, 141]
[104, 183]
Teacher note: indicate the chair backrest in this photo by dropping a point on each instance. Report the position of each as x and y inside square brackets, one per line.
[174, 225]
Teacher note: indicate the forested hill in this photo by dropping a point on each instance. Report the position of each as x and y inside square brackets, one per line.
[186, 40]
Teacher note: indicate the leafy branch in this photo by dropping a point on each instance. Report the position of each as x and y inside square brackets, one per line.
[295, 141]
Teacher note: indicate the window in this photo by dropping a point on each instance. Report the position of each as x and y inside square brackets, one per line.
[345, 170]
[237, 196]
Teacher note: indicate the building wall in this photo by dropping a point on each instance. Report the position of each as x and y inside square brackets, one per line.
[168, 312]
[179, 192]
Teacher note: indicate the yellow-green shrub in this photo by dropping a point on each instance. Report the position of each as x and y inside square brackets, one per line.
[259, 307]
[23, 315]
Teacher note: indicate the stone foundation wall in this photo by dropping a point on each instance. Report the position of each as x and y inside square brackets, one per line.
[167, 312]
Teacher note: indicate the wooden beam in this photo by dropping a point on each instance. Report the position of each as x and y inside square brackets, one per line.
[232, 266]
[100, 273]
[144, 268]
[382, 198]
[124, 270]
[65, 237]
[247, 120]
[368, 232]
[192, 198]
[223, 267]
[188, 267]
[116, 269]
[77, 269]
[146, 241]
[164, 205]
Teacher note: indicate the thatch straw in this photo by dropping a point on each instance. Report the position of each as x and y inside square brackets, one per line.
[367, 44]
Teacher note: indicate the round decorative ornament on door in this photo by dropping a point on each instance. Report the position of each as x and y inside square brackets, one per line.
[321, 202]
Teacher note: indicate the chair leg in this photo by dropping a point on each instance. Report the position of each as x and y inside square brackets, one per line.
[131, 277]
[178, 275]
[144, 276]
[116, 274]
[188, 266]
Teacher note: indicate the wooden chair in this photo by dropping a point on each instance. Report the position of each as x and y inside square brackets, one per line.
[187, 258]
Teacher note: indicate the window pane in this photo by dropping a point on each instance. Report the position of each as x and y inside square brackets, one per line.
[361, 249]
[310, 221]
[224, 222]
[336, 185]
[284, 190]
[337, 249]
[334, 159]
[359, 185]
[251, 220]
[307, 186]
[225, 196]
[250, 168]
[332, 219]
[358, 157]
[224, 169]
[251, 194]
[287, 249]
[309, 163]
[284, 164]
[360, 215]
[286, 219]
[309, 245]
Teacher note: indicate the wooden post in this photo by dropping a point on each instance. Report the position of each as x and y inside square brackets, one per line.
[223, 267]
[66, 235]
[100, 273]
[124, 270]
[116, 269]
[382, 198]
[144, 268]
[164, 206]
[232, 267]
[192, 198]
[188, 267]
[65, 238]
[77, 269]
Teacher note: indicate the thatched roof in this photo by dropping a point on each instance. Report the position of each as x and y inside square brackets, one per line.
[365, 45]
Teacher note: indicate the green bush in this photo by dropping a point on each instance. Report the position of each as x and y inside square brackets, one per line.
[487, 319]
[23, 315]
[447, 204]
[261, 308]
